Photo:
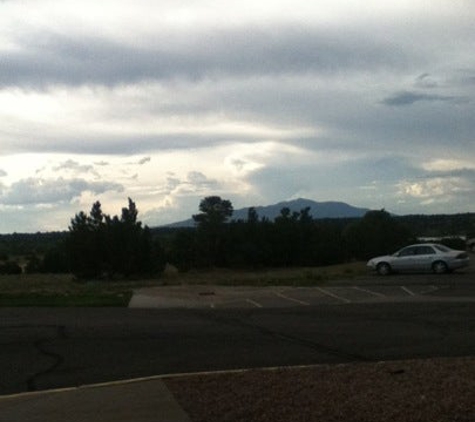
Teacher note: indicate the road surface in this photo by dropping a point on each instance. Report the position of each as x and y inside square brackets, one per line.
[44, 348]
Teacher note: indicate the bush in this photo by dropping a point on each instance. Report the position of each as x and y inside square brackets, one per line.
[34, 265]
[10, 267]
[454, 243]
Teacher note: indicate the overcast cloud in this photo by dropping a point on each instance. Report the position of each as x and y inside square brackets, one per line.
[366, 102]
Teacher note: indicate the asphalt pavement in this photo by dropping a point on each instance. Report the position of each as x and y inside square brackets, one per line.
[54, 348]
[52, 360]
[459, 286]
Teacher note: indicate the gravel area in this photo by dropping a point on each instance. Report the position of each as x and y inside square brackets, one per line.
[429, 390]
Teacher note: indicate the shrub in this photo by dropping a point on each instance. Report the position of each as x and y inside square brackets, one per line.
[10, 267]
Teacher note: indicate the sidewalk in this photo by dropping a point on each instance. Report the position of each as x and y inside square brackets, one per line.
[147, 400]
[413, 390]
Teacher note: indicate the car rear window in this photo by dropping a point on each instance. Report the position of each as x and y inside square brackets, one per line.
[442, 248]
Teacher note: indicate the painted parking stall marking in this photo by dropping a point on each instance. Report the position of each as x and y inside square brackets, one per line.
[370, 292]
[254, 303]
[333, 295]
[292, 299]
[277, 297]
[408, 291]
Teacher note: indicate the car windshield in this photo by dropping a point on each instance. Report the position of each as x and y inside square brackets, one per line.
[442, 248]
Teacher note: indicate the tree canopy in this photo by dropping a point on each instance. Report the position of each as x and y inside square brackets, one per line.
[377, 233]
[214, 212]
[108, 247]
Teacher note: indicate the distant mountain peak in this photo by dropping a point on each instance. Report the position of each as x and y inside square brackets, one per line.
[318, 210]
[327, 209]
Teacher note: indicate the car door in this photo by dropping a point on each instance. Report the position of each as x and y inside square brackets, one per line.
[425, 256]
[405, 259]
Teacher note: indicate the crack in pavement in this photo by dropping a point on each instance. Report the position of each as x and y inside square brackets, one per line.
[311, 344]
[41, 346]
[31, 382]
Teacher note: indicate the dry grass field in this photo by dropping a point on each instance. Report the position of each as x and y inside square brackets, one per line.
[60, 290]
[266, 277]
[63, 290]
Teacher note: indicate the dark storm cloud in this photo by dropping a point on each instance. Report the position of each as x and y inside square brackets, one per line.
[406, 98]
[55, 59]
[131, 144]
[321, 177]
[426, 81]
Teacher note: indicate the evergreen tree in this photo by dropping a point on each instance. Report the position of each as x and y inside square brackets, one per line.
[104, 246]
[211, 228]
[377, 233]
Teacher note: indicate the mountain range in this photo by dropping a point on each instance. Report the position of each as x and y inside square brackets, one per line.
[318, 210]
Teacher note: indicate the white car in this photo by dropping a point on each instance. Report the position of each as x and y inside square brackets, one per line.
[418, 258]
[471, 244]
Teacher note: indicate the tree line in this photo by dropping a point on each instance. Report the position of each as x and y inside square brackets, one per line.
[100, 246]
[292, 239]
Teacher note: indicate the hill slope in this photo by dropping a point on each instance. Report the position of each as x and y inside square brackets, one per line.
[329, 209]
[317, 209]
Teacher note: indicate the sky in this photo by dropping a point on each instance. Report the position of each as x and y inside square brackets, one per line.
[169, 101]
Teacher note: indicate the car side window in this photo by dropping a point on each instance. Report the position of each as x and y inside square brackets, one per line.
[425, 250]
[407, 252]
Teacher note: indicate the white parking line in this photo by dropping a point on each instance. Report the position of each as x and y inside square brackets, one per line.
[430, 289]
[369, 291]
[253, 302]
[409, 292]
[326, 292]
[300, 302]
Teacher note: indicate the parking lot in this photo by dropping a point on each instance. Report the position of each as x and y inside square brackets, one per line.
[371, 288]
[189, 328]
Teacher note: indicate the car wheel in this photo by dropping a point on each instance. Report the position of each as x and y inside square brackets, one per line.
[383, 268]
[440, 267]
